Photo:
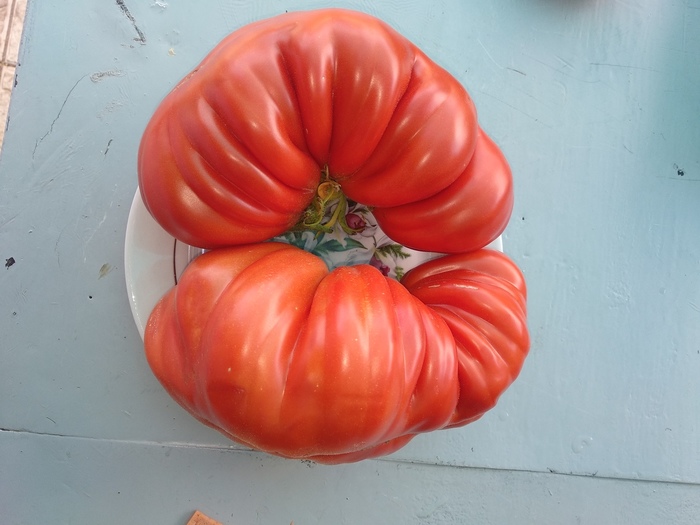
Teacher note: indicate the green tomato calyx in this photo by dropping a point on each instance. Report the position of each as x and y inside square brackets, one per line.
[327, 209]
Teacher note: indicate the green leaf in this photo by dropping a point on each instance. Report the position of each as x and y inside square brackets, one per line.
[295, 239]
[393, 250]
[333, 245]
[351, 243]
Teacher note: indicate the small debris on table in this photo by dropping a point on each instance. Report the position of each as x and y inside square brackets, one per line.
[201, 519]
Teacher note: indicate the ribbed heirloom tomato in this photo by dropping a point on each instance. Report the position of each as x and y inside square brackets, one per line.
[259, 339]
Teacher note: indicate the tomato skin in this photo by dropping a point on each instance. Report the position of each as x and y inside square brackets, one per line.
[234, 153]
[437, 223]
[265, 344]
[489, 324]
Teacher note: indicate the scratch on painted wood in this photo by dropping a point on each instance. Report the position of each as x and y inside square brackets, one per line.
[141, 36]
[53, 122]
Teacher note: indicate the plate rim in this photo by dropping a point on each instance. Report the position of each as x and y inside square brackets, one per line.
[140, 224]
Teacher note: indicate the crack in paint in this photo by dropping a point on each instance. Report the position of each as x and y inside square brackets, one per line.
[107, 148]
[53, 122]
[141, 37]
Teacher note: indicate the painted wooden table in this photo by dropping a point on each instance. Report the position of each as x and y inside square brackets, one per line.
[597, 107]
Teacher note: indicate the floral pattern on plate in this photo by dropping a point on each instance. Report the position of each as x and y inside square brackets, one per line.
[355, 239]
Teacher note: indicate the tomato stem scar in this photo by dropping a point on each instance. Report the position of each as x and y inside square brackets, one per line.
[326, 210]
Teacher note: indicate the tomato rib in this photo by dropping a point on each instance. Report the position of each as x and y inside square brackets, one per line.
[260, 185]
[208, 184]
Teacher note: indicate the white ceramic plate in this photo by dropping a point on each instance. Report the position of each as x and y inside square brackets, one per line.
[154, 260]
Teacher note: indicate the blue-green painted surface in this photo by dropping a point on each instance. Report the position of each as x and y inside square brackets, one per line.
[597, 106]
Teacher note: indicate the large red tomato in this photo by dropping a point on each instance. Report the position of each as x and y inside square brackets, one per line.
[235, 152]
[265, 344]
[259, 339]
